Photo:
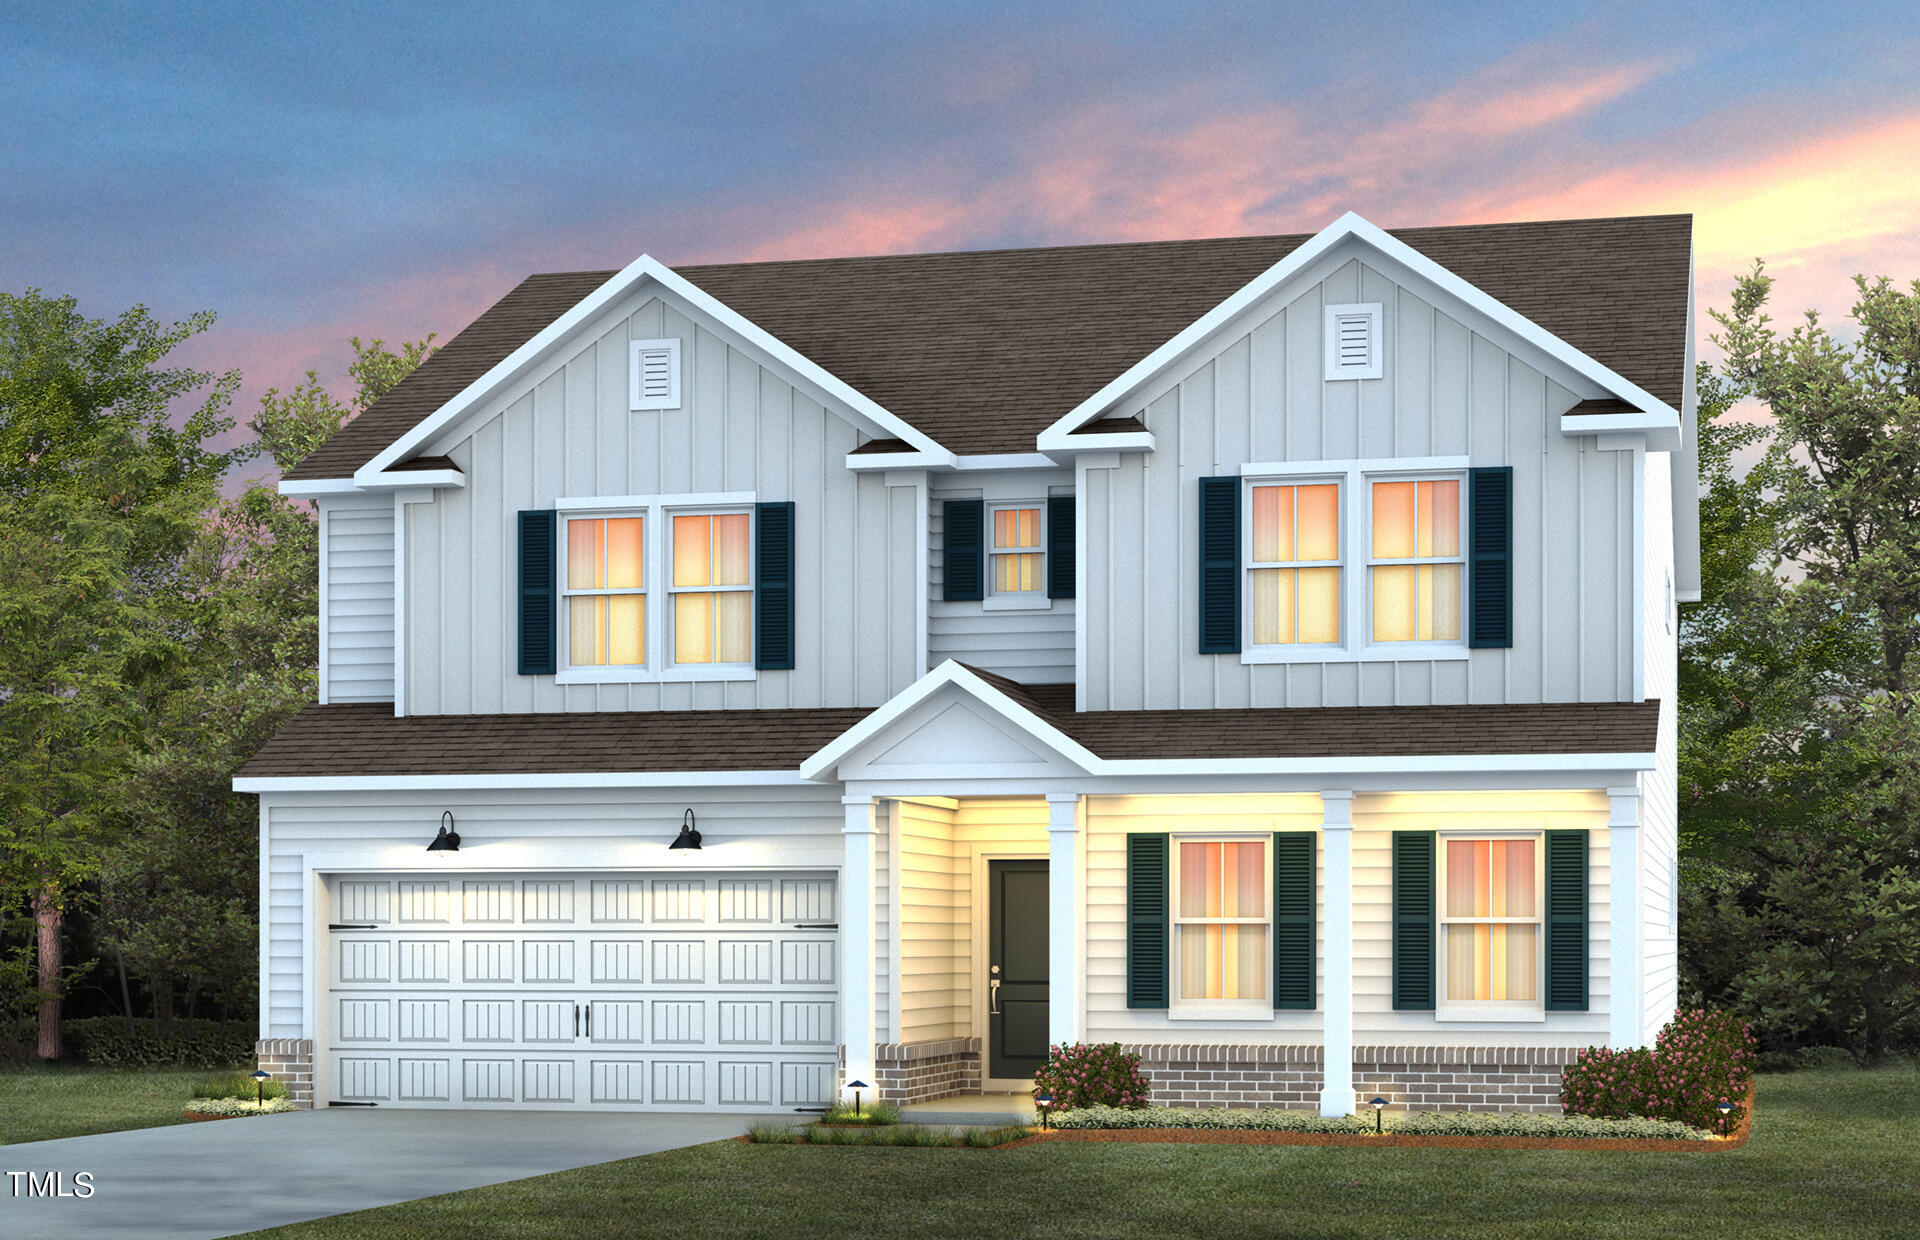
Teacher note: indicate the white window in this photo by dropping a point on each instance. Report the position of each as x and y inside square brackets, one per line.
[653, 374]
[1353, 341]
[1016, 555]
[1490, 955]
[1417, 568]
[1223, 891]
[1293, 564]
[690, 554]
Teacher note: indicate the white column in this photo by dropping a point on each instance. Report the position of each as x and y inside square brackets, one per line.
[856, 940]
[1336, 990]
[1624, 999]
[1066, 982]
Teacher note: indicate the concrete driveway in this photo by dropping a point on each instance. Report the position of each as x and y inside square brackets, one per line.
[230, 1176]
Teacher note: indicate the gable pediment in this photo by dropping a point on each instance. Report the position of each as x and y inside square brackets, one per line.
[954, 735]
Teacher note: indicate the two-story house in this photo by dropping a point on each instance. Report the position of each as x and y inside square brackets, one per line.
[739, 681]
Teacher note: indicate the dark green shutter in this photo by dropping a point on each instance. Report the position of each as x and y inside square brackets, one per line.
[1147, 921]
[1220, 566]
[962, 574]
[1060, 546]
[539, 649]
[1566, 902]
[773, 586]
[1490, 556]
[1293, 921]
[1413, 921]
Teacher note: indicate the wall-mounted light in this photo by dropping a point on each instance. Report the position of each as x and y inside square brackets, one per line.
[689, 837]
[448, 840]
[1378, 1105]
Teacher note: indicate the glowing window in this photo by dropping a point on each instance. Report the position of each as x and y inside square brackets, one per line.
[1220, 921]
[606, 592]
[1416, 567]
[712, 588]
[1016, 557]
[1293, 572]
[1490, 920]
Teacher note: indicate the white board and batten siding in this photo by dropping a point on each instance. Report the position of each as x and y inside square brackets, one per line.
[1447, 391]
[566, 432]
[1031, 645]
[356, 611]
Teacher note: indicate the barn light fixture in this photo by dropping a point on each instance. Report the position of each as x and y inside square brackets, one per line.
[689, 837]
[448, 840]
[1378, 1105]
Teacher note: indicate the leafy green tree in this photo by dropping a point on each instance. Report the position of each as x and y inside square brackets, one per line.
[101, 490]
[292, 425]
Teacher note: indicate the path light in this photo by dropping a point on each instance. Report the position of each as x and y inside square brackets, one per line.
[855, 1086]
[1378, 1105]
[1044, 1101]
[260, 1078]
[448, 840]
[1725, 1108]
[689, 837]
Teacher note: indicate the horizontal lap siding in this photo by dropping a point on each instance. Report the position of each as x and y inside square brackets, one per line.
[1374, 820]
[1031, 646]
[359, 610]
[742, 428]
[1109, 820]
[933, 924]
[1659, 794]
[1446, 391]
[284, 925]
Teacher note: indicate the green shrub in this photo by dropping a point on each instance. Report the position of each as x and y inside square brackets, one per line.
[1262, 1120]
[239, 1106]
[987, 1138]
[1698, 1061]
[237, 1085]
[1426, 1123]
[1091, 1074]
[1420, 1123]
[104, 1041]
[871, 1114]
[773, 1133]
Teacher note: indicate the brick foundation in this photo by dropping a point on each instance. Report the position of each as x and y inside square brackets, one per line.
[922, 1071]
[290, 1060]
[1455, 1078]
[1231, 1076]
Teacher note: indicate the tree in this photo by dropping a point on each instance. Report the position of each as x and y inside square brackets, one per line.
[290, 427]
[100, 495]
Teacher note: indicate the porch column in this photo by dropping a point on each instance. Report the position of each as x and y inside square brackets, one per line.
[1066, 986]
[1624, 999]
[857, 1009]
[1336, 845]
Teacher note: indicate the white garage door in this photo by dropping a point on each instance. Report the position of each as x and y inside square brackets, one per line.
[622, 991]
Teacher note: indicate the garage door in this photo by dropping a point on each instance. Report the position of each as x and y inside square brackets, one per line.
[611, 991]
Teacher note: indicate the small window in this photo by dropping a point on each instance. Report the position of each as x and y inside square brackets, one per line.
[1293, 570]
[712, 588]
[606, 592]
[1222, 894]
[1490, 923]
[1016, 563]
[1416, 569]
[654, 374]
[1353, 341]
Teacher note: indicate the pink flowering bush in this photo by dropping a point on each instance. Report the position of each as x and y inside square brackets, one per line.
[1699, 1060]
[1091, 1074]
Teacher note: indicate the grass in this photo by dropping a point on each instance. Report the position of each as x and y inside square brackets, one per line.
[1835, 1153]
[40, 1103]
[238, 1084]
[871, 1113]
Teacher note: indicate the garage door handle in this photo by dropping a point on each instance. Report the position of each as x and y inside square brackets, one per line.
[589, 1022]
[576, 1020]
[816, 925]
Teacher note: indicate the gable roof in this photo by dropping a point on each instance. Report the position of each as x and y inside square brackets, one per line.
[982, 350]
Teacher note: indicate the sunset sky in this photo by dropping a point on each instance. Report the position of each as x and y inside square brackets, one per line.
[319, 171]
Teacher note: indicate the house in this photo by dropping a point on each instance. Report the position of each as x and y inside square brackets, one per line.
[740, 681]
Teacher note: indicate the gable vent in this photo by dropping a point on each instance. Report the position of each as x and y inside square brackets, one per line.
[654, 374]
[1353, 341]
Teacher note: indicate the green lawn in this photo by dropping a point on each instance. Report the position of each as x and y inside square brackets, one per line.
[1835, 1153]
[39, 1104]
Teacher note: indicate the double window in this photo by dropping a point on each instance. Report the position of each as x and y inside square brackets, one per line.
[1490, 926]
[694, 561]
[1222, 896]
[1300, 589]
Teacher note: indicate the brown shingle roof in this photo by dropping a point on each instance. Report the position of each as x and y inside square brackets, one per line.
[982, 350]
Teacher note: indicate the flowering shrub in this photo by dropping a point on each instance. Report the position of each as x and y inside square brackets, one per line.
[1421, 1123]
[1091, 1074]
[1699, 1060]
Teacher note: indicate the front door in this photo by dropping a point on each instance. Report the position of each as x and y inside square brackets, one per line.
[1016, 968]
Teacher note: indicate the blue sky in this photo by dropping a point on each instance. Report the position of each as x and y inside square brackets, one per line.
[313, 172]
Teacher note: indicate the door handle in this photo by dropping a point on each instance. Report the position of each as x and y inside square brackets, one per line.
[993, 997]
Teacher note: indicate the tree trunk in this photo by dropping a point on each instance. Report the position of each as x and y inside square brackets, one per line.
[46, 915]
[126, 995]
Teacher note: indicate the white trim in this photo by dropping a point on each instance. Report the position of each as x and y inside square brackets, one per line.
[1066, 935]
[637, 399]
[1335, 370]
[413, 478]
[1378, 765]
[478, 782]
[1005, 460]
[401, 501]
[265, 921]
[1365, 465]
[1347, 226]
[867, 462]
[318, 487]
[577, 505]
[1336, 946]
[643, 269]
[322, 665]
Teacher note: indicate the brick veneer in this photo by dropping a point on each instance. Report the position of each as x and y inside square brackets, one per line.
[1454, 1078]
[1208, 1075]
[922, 1071]
[291, 1062]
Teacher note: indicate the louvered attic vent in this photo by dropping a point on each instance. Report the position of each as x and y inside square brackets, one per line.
[1353, 341]
[654, 374]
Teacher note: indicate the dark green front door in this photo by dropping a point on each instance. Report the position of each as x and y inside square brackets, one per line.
[1016, 968]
